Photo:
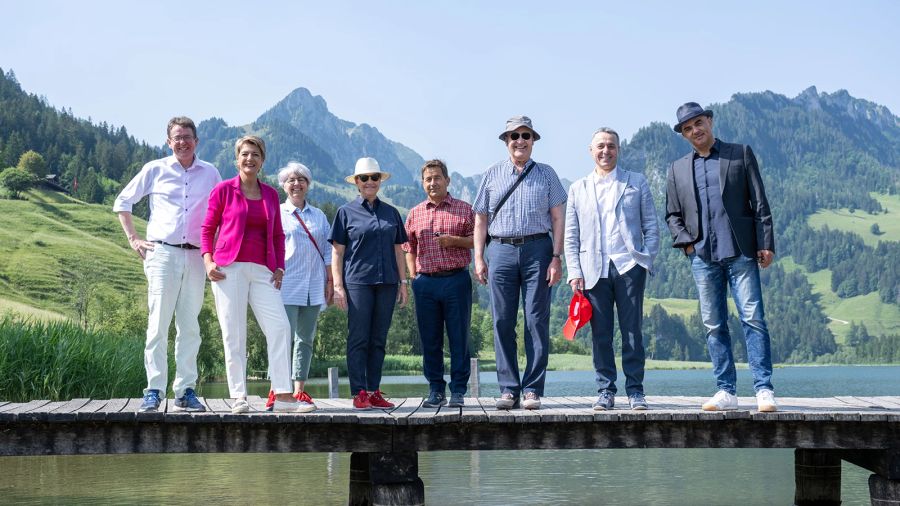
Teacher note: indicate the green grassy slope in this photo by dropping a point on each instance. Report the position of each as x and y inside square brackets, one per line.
[49, 238]
[860, 222]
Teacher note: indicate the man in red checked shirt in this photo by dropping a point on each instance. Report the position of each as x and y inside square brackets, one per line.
[438, 255]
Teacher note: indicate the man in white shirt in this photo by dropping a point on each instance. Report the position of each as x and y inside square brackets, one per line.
[611, 240]
[178, 187]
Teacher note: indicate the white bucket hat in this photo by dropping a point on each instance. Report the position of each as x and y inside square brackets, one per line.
[366, 165]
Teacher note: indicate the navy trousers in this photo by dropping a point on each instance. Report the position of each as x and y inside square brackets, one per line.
[626, 291]
[444, 303]
[370, 309]
[516, 272]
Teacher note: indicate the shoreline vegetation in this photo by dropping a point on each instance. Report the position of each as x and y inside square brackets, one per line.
[60, 360]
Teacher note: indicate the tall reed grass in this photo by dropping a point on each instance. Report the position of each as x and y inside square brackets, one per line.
[59, 360]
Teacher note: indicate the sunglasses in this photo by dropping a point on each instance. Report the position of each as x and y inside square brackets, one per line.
[365, 177]
[515, 136]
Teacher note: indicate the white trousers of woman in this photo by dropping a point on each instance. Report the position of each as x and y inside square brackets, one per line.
[251, 283]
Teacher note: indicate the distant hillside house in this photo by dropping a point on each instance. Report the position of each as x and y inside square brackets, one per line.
[52, 182]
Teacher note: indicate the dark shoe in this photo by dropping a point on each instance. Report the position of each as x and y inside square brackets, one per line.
[637, 401]
[189, 402]
[361, 401]
[457, 400]
[508, 401]
[270, 402]
[151, 401]
[532, 401]
[435, 400]
[378, 401]
[606, 400]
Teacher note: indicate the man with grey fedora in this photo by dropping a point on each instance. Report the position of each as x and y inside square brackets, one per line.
[520, 208]
[718, 214]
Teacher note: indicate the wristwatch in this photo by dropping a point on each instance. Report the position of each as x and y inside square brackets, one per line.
[558, 255]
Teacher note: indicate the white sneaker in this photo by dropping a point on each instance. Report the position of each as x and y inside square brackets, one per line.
[286, 406]
[722, 401]
[240, 406]
[765, 401]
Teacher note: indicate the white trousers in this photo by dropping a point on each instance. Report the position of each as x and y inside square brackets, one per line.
[176, 280]
[250, 283]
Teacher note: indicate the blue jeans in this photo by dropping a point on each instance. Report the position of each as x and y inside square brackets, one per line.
[370, 309]
[626, 291]
[444, 302]
[742, 275]
[515, 271]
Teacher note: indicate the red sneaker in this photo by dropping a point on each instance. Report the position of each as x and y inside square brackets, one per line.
[303, 397]
[361, 401]
[270, 403]
[377, 401]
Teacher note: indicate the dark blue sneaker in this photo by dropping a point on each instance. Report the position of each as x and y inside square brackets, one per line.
[457, 400]
[151, 401]
[435, 400]
[189, 402]
[606, 400]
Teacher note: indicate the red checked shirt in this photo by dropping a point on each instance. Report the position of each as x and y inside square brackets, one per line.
[450, 217]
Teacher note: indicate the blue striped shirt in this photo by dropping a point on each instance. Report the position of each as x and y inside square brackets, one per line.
[527, 211]
[304, 269]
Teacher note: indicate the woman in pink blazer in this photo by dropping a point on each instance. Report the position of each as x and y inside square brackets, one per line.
[243, 248]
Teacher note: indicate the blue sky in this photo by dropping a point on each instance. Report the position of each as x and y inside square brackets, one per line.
[442, 77]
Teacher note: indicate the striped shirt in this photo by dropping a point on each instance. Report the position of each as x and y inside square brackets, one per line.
[304, 269]
[527, 211]
[450, 217]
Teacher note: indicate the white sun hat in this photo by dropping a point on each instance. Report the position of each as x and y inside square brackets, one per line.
[366, 165]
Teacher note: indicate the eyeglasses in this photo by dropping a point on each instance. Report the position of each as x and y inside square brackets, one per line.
[183, 138]
[515, 136]
[297, 180]
[365, 177]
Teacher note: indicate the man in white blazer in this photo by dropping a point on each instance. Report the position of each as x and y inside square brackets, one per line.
[611, 240]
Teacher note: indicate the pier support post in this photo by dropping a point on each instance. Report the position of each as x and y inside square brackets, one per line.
[385, 479]
[474, 383]
[817, 477]
[333, 383]
[884, 492]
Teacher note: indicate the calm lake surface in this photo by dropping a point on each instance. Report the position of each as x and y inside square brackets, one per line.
[646, 476]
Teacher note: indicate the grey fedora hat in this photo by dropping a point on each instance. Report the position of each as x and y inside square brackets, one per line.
[688, 112]
[516, 122]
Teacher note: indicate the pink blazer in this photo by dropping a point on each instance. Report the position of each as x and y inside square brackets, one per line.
[227, 215]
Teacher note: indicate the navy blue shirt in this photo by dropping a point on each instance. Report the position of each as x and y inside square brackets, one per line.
[369, 234]
[716, 239]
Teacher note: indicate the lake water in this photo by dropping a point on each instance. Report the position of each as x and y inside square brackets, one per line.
[646, 476]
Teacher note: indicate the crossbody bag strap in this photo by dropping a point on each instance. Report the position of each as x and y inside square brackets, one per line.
[511, 189]
[319, 251]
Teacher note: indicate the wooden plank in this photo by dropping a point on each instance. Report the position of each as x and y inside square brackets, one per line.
[341, 410]
[420, 415]
[40, 413]
[472, 412]
[112, 407]
[16, 408]
[886, 402]
[494, 415]
[87, 411]
[175, 415]
[67, 412]
[3, 403]
[552, 410]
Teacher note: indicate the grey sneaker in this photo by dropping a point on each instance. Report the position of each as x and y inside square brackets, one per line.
[435, 400]
[240, 406]
[637, 401]
[189, 402]
[507, 401]
[606, 400]
[457, 400]
[532, 401]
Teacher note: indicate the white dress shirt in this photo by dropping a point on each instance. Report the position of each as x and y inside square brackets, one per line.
[178, 198]
[612, 245]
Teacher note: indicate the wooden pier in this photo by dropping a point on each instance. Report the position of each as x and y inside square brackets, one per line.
[384, 443]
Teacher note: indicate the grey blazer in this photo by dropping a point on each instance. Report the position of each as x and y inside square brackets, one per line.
[635, 213]
[742, 193]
